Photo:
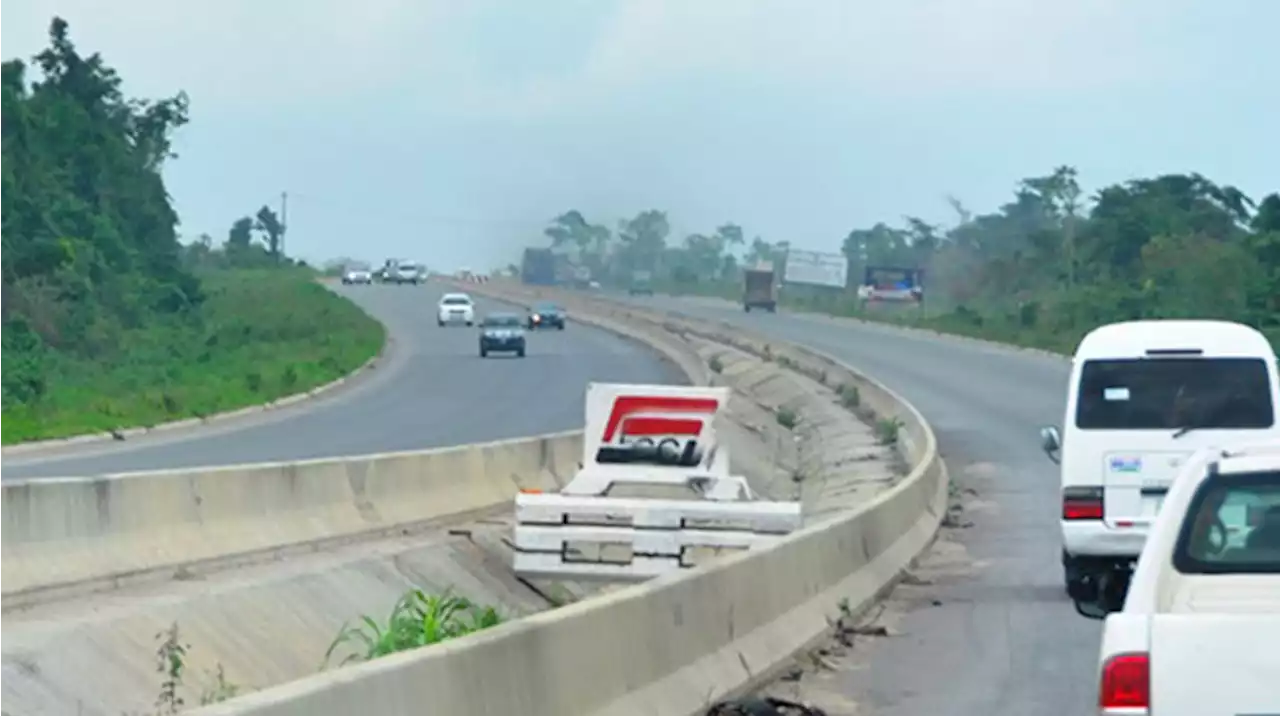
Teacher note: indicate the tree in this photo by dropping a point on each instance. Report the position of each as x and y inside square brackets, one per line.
[269, 224]
[240, 235]
[643, 239]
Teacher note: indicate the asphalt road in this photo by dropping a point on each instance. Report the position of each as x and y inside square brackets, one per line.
[1003, 640]
[432, 390]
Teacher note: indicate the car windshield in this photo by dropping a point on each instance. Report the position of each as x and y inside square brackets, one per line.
[546, 308]
[502, 321]
[1232, 527]
[456, 301]
[1175, 394]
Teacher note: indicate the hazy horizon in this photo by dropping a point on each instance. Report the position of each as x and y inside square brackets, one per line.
[451, 131]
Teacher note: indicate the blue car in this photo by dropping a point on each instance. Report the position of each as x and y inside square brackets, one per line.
[546, 315]
[502, 333]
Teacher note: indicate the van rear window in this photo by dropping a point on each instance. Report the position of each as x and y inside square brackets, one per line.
[1174, 393]
[1232, 527]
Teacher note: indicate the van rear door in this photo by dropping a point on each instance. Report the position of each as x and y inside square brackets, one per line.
[1148, 415]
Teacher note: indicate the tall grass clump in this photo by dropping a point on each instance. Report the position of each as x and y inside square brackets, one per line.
[418, 619]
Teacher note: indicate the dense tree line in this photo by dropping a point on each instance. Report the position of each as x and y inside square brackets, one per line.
[641, 243]
[1049, 264]
[1051, 259]
[90, 250]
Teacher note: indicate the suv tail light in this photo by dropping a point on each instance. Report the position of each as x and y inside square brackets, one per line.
[1126, 684]
[1082, 503]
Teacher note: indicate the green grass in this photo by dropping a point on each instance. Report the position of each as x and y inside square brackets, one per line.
[418, 619]
[261, 335]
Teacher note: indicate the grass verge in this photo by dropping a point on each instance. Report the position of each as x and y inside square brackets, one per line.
[260, 335]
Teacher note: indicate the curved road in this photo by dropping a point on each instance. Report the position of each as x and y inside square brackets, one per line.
[431, 390]
[1004, 640]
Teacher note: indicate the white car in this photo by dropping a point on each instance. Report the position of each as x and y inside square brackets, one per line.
[456, 308]
[406, 272]
[356, 275]
[1142, 398]
[1198, 632]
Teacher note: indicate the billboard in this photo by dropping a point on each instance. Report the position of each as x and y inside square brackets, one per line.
[817, 268]
[892, 284]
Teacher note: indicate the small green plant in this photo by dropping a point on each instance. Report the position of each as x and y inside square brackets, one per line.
[887, 430]
[850, 396]
[418, 619]
[715, 364]
[171, 664]
[787, 418]
[221, 689]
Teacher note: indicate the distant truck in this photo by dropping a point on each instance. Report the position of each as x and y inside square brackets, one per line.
[538, 267]
[759, 289]
[641, 283]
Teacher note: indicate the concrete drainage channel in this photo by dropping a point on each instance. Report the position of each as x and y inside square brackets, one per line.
[269, 622]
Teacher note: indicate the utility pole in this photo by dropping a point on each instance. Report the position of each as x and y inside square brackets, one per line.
[284, 220]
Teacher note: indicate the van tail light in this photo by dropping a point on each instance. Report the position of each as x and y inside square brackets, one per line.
[1126, 684]
[1082, 503]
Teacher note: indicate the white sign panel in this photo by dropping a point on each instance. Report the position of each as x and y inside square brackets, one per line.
[815, 267]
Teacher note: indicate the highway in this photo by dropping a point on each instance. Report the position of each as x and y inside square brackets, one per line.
[1003, 640]
[431, 390]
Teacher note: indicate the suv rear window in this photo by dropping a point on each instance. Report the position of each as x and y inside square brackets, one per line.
[456, 301]
[1232, 527]
[1171, 393]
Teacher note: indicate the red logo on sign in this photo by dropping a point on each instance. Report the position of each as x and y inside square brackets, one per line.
[641, 429]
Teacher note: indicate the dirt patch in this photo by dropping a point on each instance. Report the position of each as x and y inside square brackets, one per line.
[818, 677]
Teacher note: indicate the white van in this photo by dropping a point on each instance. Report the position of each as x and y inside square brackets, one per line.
[1144, 396]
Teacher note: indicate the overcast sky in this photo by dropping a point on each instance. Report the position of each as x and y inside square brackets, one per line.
[451, 130]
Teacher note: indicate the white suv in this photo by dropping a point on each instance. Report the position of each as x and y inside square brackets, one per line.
[455, 308]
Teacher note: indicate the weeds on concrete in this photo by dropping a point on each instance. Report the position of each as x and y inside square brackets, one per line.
[171, 663]
[418, 619]
[787, 418]
[850, 396]
[715, 364]
[887, 430]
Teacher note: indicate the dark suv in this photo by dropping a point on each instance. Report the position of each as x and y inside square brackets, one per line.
[546, 315]
[501, 333]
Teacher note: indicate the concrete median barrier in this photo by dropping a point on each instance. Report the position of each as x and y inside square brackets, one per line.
[676, 644]
[67, 534]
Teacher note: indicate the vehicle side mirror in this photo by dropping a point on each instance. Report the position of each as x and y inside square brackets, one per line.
[1051, 442]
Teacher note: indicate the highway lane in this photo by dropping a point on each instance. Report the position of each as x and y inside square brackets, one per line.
[432, 390]
[1004, 639]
